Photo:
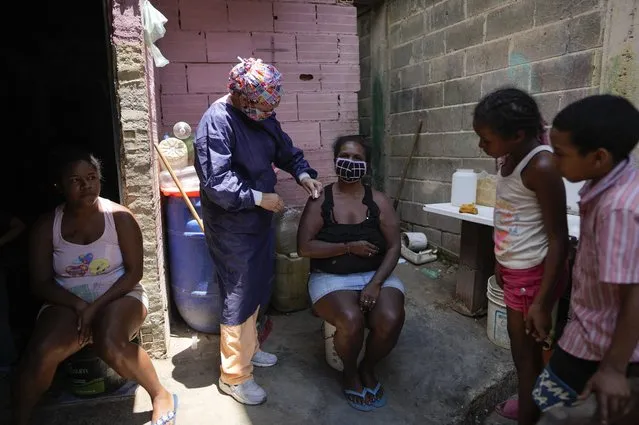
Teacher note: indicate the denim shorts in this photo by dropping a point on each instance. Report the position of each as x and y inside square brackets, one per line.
[321, 284]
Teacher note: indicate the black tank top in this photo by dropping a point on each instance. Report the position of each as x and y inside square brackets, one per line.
[333, 232]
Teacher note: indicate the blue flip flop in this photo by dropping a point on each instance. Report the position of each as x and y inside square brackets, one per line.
[361, 407]
[170, 416]
[377, 402]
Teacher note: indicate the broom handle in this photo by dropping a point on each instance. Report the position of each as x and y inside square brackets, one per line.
[179, 186]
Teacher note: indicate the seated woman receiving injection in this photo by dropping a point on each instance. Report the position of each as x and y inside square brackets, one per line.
[86, 264]
[351, 233]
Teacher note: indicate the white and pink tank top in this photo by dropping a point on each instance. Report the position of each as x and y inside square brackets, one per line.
[520, 238]
[88, 271]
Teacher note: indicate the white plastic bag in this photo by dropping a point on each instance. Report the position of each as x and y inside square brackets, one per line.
[286, 224]
[153, 22]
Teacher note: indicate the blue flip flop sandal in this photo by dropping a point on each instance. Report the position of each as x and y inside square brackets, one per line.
[377, 402]
[361, 407]
[170, 416]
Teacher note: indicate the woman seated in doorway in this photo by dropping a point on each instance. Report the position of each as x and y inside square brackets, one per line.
[351, 233]
[86, 264]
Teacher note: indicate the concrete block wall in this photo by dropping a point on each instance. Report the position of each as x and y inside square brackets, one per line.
[313, 43]
[443, 56]
[138, 165]
[620, 69]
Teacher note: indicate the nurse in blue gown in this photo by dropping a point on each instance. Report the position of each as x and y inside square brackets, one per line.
[237, 141]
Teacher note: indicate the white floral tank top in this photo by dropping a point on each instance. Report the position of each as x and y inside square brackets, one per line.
[90, 270]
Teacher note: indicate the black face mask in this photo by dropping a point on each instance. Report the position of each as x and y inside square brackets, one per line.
[350, 171]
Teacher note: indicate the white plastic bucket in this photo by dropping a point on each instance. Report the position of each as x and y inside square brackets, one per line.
[332, 358]
[497, 323]
[187, 176]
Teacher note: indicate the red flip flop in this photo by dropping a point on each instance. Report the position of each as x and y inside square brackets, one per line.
[508, 409]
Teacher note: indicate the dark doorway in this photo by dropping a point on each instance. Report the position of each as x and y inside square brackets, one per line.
[56, 83]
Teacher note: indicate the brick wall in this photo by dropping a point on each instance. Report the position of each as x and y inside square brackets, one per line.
[138, 173]
[317, 38]
[443, 56]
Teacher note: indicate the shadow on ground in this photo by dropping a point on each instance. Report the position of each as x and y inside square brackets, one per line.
[443, 371]
[88, 413]
[196, 365]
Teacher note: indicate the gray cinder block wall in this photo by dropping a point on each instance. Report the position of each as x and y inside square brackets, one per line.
[441, 57]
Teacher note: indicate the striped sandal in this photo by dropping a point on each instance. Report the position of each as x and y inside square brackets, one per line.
[378, 401]
[363, 406]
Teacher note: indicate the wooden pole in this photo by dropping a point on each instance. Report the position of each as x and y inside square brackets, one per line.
[179, 186]
[410, 157]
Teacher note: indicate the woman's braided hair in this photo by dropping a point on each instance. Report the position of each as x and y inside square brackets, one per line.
[508, 111]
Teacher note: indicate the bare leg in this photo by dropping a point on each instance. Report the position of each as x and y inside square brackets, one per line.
[527, 355]
[386, 321]
[112, 333]
[341, 309]
[55, 338]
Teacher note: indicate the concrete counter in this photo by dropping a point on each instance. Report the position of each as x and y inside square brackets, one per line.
[485, 216]
[476, 254]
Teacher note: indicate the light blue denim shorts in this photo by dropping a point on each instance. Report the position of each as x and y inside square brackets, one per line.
[321, 284]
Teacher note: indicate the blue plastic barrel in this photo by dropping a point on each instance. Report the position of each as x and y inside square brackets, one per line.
[191, 269]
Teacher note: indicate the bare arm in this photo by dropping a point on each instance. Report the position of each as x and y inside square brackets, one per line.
[389, 225]
[542, 177]
[310, 224]
[41, 269]
[16, 227]
[130, 241]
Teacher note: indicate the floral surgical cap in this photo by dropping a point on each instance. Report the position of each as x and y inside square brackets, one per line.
[258, 81]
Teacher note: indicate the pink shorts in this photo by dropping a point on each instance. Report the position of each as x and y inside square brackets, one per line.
[521, 286]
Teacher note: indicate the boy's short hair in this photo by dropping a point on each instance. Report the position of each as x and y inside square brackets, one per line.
[601, 121]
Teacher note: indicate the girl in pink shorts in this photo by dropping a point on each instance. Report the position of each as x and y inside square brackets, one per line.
[531, 232]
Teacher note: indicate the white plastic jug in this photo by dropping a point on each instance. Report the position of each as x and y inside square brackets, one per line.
[464, 188]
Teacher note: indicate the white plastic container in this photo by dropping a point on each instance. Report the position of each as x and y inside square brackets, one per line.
[188, 179]
[497, 324]
[464, 188]
[175, 152]
[419, 258]
[332, 358]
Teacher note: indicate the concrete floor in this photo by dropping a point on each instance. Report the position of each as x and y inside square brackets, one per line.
[443, 371]
[495, 419]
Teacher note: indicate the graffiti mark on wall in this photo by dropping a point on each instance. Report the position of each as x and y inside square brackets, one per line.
[519, 71]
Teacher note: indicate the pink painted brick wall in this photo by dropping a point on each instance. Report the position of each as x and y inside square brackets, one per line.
[313, 37]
